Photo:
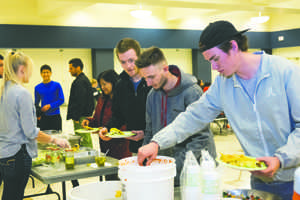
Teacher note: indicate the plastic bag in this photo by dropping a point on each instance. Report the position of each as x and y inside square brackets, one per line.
[190, 178]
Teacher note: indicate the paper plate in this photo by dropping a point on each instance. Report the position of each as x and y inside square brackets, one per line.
[87, 131]
[124, 135]
[238, 167]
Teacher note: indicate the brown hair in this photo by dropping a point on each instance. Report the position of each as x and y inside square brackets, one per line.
[241, 40]
[150, 56]
[13, 60]
[126, 44]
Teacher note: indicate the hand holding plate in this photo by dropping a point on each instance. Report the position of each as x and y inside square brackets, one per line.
[102, 134]
[273, 164]
[139, 135]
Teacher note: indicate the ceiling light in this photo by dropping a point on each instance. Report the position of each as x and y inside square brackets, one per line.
[260, 19]
[141, 14]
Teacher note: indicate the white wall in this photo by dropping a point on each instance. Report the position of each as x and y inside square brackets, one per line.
[58, 60]
[291, 53]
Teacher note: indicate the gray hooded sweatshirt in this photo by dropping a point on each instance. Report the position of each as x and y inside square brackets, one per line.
[162, 108]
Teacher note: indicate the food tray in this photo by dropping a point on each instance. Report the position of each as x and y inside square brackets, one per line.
[263, 195]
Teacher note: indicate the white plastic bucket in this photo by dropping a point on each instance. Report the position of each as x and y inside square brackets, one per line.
[154, 182]
[95, 191]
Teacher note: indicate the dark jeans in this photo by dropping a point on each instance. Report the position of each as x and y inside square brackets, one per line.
[282, 189]
[51, 122]
[15, 171]
[75, 182]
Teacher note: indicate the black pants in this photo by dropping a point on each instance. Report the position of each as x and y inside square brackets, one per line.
[50, 122]
[15, 171]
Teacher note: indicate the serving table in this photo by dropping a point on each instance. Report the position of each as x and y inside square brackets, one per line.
[49, 174]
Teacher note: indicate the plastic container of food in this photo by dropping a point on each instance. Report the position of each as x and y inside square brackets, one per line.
[148, 182]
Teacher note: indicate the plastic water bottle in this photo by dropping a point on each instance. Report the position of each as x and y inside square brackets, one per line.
[210, 179]
[296, 195]
[190, 178]
[192, 188]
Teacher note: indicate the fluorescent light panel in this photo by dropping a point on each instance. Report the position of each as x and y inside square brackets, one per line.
[141, 14]
[260, 19]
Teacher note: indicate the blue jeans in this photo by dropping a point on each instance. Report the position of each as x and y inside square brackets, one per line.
[15, 171]
[282, 189]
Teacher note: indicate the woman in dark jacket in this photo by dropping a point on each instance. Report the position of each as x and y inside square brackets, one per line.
[118, 148]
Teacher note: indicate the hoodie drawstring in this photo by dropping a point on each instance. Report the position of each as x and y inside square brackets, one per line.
[163, 112]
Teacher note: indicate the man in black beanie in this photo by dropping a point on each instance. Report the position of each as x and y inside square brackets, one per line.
[259, 95]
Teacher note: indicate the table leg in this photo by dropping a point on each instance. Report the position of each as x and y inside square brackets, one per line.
[63, 184]
[47, 192]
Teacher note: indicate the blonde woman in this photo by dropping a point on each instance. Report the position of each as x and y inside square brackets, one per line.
[18, 131]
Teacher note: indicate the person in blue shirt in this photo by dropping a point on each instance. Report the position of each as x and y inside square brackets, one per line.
[259, 95]
[50, 95]
[18, 131]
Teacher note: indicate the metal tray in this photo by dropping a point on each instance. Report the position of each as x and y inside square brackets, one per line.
[261, 194]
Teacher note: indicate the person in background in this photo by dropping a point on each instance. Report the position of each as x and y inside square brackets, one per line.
[118, 148]
[130, 94]
[81, 102]
[172, 91]
[200, 83]
[206, 86]
[50, 94]
[1, 66]
[96, 90]
[259, 95]
[1, 75]
[18, 131]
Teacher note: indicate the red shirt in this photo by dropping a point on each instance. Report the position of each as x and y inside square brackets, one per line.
[118, 148]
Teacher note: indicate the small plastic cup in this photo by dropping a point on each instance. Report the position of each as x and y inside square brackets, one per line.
[100, 158]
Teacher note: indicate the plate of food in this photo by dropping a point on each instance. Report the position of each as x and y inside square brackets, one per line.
[116, 133]
[87, 129]
[241, 162]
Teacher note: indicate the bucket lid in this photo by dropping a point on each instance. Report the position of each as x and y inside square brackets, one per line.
[159, 161]
[161, 168]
